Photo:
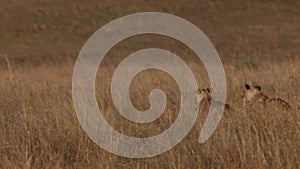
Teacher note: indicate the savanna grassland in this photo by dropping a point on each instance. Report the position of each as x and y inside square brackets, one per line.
[258, 43]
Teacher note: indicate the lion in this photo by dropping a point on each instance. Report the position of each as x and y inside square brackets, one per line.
[254, 96]
[204, 98]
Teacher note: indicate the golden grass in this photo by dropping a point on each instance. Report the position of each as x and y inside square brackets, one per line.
[258, 42]
[39, 128]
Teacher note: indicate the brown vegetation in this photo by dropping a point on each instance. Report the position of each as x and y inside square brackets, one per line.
[258, 42]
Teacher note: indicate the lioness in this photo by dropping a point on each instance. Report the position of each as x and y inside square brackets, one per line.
[253, 95]
[204, 97]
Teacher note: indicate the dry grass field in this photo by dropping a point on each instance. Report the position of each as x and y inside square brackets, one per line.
[258, 43]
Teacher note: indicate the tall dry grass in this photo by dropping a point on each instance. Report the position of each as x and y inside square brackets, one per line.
[258, 42]
[39, 128]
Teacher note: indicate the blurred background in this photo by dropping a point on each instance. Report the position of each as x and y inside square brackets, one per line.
[51, 27]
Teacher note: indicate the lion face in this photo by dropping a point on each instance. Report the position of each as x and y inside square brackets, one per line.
[251, 93]
[204, 94]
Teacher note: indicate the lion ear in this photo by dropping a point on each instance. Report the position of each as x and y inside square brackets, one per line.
[247, 86]
[258, 87]
[200, 90]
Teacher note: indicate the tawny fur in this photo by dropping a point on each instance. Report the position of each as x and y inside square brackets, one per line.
[253, 95]
[204, 96]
